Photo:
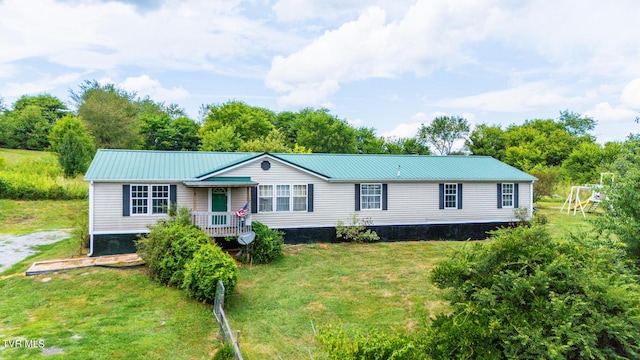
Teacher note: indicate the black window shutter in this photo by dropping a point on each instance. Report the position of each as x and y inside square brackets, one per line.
[384, 196]
[310, 197]
[357, 197]
[173, 196]
[516, 196]
[459, 196]
[254, 200]
[499, 196]
[441, 195]
[126, 192]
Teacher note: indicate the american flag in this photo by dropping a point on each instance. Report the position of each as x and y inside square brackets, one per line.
[243, 211]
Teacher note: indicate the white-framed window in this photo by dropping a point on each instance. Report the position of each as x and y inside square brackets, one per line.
[450, 196]
[507, 195]
[265, 198]
[145, 202]
[370, 196]
[299, 197]
[282, 197]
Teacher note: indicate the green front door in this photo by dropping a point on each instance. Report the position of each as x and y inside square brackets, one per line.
[219, 204]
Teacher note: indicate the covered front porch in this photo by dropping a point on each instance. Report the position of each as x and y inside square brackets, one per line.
[221, 223]
[222, 205]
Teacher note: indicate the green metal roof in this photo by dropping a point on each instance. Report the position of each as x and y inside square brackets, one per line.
[113, 165]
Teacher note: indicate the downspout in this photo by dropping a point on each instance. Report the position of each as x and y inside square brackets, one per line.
[531, 201]
[90, 219]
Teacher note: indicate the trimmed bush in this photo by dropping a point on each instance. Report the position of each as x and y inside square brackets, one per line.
[169, 246]
[267, 245]
[202, 273]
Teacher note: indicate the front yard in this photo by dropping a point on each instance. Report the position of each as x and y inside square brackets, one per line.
[106, 313]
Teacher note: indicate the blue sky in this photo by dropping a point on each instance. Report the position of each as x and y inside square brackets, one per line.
[387, 64]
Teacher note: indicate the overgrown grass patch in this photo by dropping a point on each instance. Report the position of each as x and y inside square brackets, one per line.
[98, 313]
[23, 217]
[362, 287]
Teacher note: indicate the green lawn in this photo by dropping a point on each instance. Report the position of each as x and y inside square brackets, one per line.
[99, 313]
[24, 217]
[362, 287]
[15, 156]
[106, 313]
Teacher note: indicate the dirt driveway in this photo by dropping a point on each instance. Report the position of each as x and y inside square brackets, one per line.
[15, 248]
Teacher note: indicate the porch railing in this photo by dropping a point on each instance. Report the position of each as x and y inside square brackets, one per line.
[221, 223]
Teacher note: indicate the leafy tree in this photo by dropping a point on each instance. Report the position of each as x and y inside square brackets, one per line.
[527, 296]
[622, 208]
[52, 108]
[584, 163]
[610, 153]
[443, 132]
[110, 113]
[488, 140]
[368, 142]
[224, 138]
[286, 124]
[408, 146]
[185, 134]
[73, 154]
[249, 122]
[28, 128]
[156, 131]
[524, 157]
[576, 124]
[70, 138]
[274, 142]
[322, 132]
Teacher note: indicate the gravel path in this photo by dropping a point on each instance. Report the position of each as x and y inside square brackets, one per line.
[15, 248]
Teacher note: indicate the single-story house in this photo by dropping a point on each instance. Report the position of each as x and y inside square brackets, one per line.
[404, 197]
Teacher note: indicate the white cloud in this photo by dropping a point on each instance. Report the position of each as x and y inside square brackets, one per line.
[143, 85]
[403, 130]
[302, 10]
[43, 84]
[356, 122]
[631, 95]
[192, 35]
[523, 97]
[430, 35]
[605, 113]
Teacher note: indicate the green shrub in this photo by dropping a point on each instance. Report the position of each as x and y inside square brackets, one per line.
[169, 246]
[202, 273]
[374, 346]
[525, 295]
[267, 245]
[225, 352]
[356, 230]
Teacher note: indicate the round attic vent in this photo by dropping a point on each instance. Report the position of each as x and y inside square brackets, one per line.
[265, 165]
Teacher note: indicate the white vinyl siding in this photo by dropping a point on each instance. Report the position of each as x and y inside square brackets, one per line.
[450, 196]
[108, 217]
[507, 195]
[370, 196]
